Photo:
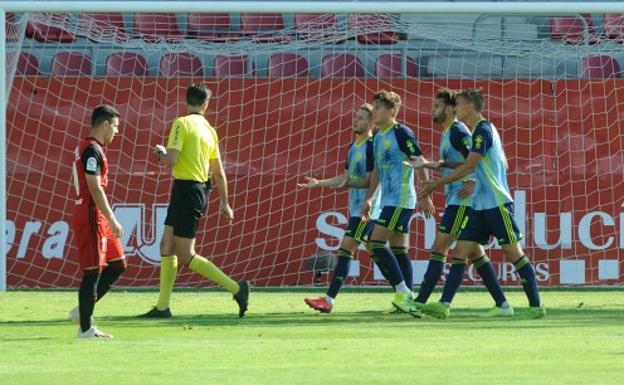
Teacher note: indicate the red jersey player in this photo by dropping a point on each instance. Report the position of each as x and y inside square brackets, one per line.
[95, 227]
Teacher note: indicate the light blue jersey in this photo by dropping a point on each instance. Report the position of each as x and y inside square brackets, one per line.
[392, 146]
[491, 172]
[360, 161]
[454, 148]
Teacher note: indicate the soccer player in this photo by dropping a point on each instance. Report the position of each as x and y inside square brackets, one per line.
[492, 205]
[359, 164]
[192, 151]
[454, 149]
[94, 224]
[393, 144]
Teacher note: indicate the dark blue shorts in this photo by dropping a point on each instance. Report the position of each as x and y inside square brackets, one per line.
[498, 222]
[453, 219]
[395, 219]
[358, 230]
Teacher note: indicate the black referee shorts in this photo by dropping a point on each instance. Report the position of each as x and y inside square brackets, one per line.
[188, 204]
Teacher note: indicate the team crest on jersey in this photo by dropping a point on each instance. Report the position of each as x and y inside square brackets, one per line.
[410, 146]
[91, 164]
[478, 141]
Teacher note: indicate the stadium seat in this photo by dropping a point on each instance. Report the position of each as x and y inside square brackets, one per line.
[157, 26]
[71, 64]
[235, 65]
[316, 27]
[100, 24]
[11, 28]
[45, 33]
[389, 66]
[379, 22]
[571, 29]
[287, 65]
[181, 64]
[264, 27]
[613, 24]
[126, 64]
[341, 65]
[27, 64]
[600, 67]
[212, 27]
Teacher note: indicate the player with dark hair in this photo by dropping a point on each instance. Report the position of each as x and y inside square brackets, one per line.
[492, 205]
[192, 152]
[96, 229]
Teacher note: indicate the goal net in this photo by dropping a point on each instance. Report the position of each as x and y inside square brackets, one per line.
[285, 88]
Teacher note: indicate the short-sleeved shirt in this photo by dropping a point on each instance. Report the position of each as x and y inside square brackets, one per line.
[392, 146]
[360, 161]
[89, 159]
[491, 172]
[197, 143]
[454, 148]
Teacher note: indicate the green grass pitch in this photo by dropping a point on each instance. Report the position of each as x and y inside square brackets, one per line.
[281, 341]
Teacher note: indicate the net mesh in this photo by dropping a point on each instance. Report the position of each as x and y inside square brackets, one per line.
[285, 89]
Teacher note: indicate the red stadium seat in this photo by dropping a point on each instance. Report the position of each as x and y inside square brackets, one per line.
[126, 64]
[71, 64]
[181, 64]
[316, 27]
[613, 24]
[157, 26]
[260, 25]
[45, 33]
[341, 65]
[600, 67]
[389, 66]
[226, 66]
[27, 64]
[287, 65]
[101, 24]
[571, 29]
[380, 22]
[11, 27]
[213, 27]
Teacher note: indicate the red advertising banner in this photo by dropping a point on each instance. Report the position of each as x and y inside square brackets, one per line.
[563, 141]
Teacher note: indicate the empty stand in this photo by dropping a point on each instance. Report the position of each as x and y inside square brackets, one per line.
[235, 65]
[287, 65]
[613, 26]
[212, 27]
[341, 65]
[180, 64]
[600, 67]
[126, 64]
[380, 22]
[390, 66]
[157, 26]
[27, 64]
[71, 64]
[45, 33]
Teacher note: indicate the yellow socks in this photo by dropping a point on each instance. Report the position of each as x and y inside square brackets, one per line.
[212, 272]
[168, 272]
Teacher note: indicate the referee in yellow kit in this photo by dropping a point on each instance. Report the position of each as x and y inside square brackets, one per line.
[192, 152]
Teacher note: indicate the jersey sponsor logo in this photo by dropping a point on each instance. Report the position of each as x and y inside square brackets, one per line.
[92, 164]
[478, 141]
[410, 146]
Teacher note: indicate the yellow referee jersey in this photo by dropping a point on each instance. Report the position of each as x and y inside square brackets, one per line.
[197, 143]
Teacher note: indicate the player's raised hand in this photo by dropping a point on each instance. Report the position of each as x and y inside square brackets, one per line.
[467, 189]
[226, 210]
[426, 189]
[416, 162]
[115, 228]
[310, 183]
[427, 207]
[366, 209]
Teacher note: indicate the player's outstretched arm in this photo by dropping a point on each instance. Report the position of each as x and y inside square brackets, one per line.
[220, 181]
[99, 197]
[460, 172]
[420, 162]
[335, 182]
